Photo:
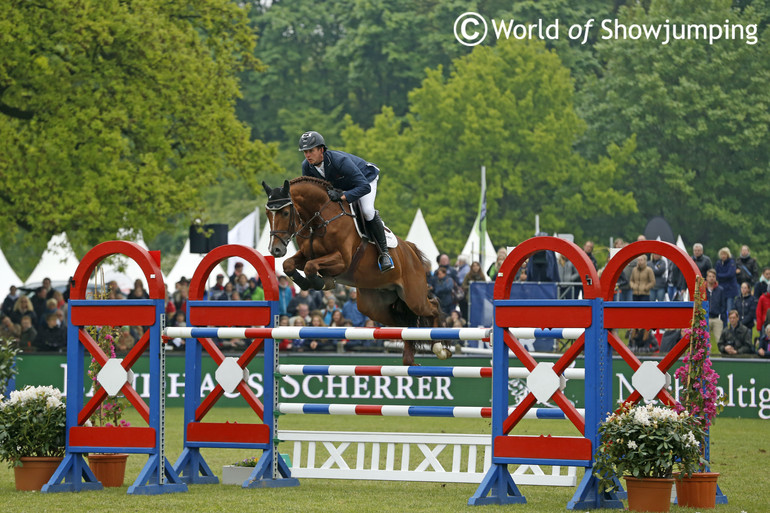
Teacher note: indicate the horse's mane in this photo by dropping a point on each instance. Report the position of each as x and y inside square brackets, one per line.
[312, 180]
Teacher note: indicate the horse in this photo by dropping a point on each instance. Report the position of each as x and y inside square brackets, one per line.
[331, 251]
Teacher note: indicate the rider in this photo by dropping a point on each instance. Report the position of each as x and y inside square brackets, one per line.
[355, 177]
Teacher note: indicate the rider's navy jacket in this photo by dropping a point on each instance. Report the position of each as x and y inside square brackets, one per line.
[344, 171]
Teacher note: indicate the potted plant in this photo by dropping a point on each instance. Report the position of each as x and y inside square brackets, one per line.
[644, 444]
[700, 398]
[32, 434]
[238, 472]
[109, 468]
[8, 357]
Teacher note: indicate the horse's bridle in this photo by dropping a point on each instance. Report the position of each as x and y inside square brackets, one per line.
[305, 225]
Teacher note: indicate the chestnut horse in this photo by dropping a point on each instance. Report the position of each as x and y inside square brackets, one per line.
[331, 251]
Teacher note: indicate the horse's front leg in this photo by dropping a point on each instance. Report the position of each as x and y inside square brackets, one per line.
[329, 265]
[292, 266]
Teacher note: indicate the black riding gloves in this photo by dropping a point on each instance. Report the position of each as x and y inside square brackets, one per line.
[335, 195]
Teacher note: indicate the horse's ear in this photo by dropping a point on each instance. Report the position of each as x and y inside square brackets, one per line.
[267, 188]
[286, 187]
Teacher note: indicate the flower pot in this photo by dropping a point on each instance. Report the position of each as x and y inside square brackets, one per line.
[649, 493]
[697, 491]
[35, 472]
[110, 469]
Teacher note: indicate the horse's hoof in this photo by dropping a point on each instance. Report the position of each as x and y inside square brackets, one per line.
[440, 351]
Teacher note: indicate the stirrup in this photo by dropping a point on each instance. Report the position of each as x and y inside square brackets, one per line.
[385, 262]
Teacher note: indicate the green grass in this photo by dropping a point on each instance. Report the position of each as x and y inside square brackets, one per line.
[739, 453]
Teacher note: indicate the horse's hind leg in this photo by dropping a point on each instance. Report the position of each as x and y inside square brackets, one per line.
[378, 305]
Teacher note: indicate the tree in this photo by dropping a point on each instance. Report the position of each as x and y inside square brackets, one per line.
[699, 114]
[118, 114]
[509, 108]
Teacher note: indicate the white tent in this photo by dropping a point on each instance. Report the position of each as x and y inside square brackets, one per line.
[186, 265]
[472, 247]
[419, 234]
[680, 243]
[245, 234]
[8, 276]
[58, 262]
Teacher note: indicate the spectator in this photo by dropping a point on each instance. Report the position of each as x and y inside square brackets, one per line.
[736, 338]
[642, 341]
[38, 303]
[218, 289]
[746, 267]
[725, 269]
[461, 268]
[138, 291]
[669, 340]
[659, 270]
[237, 271]
[319, 344]
[254, 291]
[298, 344]
[181, 294]
[716, 299]
[763, 348]
[455, 320]
[763, 306]
[50, 336]
[443, 290]
[542, 266]
[443, 261]
[331, 309]
[284, 344]
[51, 305]
[241, 284]
[502, 253]
[642, 280]
[568, 274]
[303, 312]
[761, 286]
[10, 300]
[303, 298]
[285, 294]
[9, 330]
[746, 305]
[677, 285]
[113, 290]
[350, 309]
[28, 334]
[588, 248]
[22, 307]
[702, 261]
[227, 294]
[125, 340]
[337, 320]
[474, 274]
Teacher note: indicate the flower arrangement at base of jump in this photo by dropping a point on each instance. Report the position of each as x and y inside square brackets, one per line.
[32, 423]
[247, 462]
[647, 441]
[699, 396]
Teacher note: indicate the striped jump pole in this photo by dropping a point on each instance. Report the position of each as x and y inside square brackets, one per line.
[283, 332]
[399, 370]
[468, 412]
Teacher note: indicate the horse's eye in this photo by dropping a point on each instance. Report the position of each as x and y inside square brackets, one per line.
[285, 213]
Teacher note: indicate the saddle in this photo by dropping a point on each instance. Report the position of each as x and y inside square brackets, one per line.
[390, 237]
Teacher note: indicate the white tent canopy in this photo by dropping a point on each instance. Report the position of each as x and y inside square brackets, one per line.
[245, 234]
[186, 265]
[8, 276]
[58, 262]
[472, 248]
[419, 234]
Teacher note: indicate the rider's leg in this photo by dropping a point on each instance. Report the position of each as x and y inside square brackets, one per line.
[375, 227]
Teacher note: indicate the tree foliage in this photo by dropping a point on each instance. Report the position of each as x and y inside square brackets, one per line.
[699, 113]
[509, 108]
[118, 114]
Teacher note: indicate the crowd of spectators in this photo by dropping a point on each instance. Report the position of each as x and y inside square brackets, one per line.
[737, 292]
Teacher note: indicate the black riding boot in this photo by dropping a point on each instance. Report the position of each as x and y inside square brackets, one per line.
[377, 230]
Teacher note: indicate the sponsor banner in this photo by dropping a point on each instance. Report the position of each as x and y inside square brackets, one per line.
[745, 383]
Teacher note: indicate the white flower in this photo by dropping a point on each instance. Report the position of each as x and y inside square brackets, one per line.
[631, 444]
